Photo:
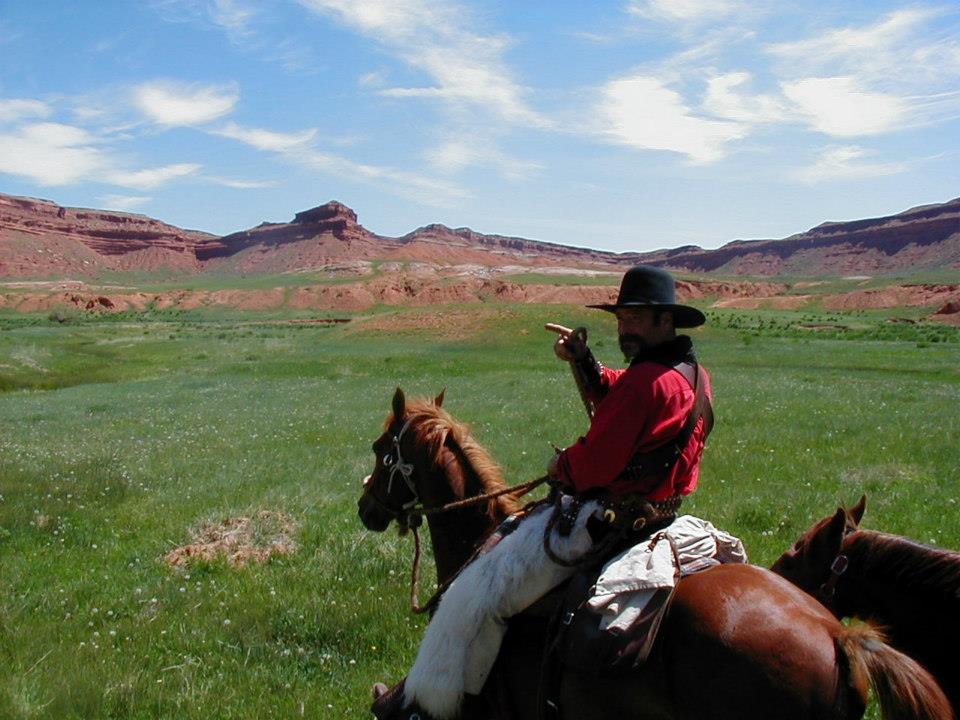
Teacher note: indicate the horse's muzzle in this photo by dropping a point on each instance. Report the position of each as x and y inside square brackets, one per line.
[372, 516]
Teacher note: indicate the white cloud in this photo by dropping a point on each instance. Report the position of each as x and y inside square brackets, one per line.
[50, 154]
[437, 37]
[838, 106]
[172, 103]
[266, 139]
[724, 99]
[642, 113]
[845, 163]
[681, 10]
[123, 202]
[151, 177]
[13, 109]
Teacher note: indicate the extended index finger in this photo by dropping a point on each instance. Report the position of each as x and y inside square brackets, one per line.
[559, 329]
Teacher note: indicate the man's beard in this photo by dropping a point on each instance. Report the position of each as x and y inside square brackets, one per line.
[632, 345]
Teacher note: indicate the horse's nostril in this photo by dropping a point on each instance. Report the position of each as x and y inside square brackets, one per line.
[366, 481]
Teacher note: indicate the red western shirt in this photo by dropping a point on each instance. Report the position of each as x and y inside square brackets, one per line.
[637, 410]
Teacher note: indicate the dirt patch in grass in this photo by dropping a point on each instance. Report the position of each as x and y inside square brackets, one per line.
[445, 324]
[780, 302]
[239, 540]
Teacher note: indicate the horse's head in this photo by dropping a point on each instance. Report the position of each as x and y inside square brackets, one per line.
[816, 556]
[393, 489]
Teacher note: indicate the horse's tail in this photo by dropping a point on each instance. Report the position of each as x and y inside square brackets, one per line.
[903, 687]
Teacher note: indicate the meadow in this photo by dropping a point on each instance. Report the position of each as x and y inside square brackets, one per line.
[122, 436]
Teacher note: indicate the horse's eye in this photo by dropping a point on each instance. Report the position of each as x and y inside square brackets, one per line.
[388, 460]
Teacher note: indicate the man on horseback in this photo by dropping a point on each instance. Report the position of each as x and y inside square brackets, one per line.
[641, 454]
[649, 422]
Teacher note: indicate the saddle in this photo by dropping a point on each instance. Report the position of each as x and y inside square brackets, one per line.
[575, 639]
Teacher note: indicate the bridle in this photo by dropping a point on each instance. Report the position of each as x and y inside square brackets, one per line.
[841, 563]
[407, 515]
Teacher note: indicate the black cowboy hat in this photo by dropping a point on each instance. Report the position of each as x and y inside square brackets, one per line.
[650, 287]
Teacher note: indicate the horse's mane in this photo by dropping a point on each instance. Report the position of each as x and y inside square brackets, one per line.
[905, 562]
[434, 427]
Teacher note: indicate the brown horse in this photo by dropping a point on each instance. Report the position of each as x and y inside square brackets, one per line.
[738, 642]
[912, 590]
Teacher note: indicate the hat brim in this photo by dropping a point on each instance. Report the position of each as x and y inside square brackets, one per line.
[684, 316]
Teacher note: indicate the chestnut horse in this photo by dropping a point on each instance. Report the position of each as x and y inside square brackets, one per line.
[738, 641]
[911, 590]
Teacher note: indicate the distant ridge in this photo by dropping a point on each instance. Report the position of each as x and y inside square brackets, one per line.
[922, 238]
[39, 238]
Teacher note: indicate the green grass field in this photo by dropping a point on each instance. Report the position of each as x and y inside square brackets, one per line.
[120, 438]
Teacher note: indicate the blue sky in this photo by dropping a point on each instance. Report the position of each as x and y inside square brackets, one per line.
[629, 125]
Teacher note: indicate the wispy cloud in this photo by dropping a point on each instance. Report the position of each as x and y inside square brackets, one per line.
[123, 202]
[300, 149]
[171, 103]
[13, 109]
[466, 68]
[682, 10]
[234, 16]
[267, 139]
[642, 113]
[845, 163]
[456, 154]
[250, 26]
[893, 49]
[151, 177]
[240, 184]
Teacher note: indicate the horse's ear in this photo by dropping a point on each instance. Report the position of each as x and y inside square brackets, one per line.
[399, 404]
[438, 400]
[856, 512]
[836, 527]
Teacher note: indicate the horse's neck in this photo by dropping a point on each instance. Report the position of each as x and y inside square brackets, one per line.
[456, 533]
[918, 616]
[875, 585]
[454, 536]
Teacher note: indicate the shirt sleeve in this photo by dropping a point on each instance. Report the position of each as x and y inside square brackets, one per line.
[608, 378]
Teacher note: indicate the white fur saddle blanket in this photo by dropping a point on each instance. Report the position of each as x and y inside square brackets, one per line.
[629, 580]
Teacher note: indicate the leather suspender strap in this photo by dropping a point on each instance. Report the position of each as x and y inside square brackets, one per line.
[701, 403]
